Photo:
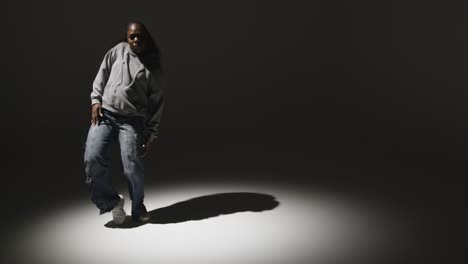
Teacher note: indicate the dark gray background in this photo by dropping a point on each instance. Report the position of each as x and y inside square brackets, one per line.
[363, 97]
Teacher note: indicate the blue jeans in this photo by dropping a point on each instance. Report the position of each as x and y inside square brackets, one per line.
[128, 131]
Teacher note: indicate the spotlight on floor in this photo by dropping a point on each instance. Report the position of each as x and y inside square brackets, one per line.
[210, 223]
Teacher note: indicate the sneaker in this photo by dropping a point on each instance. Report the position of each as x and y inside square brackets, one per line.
[144, 217]
[118, 212]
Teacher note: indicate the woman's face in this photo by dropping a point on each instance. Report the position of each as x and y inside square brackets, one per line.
[136, 39]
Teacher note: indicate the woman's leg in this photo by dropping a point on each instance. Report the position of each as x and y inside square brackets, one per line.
[96, 160]
[131, 141]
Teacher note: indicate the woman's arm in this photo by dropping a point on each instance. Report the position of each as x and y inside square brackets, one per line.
[102, 76]
[155, 107]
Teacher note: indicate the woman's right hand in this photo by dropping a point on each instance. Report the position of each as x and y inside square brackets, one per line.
[95, 113]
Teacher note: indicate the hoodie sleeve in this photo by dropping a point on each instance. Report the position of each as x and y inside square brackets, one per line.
[102, 76]
[155, 107]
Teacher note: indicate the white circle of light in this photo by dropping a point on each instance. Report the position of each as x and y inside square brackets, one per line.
[303, 227]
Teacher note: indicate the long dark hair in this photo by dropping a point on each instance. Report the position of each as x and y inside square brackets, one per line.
[152, 55]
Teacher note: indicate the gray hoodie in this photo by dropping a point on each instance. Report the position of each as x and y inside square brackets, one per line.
[125, 86]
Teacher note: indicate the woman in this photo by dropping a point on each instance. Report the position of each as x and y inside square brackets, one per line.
[126, 107]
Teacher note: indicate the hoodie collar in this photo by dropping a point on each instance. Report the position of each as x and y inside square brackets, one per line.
[130, 51]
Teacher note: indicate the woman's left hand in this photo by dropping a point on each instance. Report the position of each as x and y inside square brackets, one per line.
[146, 147]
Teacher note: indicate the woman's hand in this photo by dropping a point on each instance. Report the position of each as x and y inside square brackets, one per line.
[146, 148]
[95, 113]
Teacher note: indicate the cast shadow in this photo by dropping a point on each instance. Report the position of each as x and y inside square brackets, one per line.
[204, 207]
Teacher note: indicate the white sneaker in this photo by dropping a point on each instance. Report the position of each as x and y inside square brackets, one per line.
[118, 212]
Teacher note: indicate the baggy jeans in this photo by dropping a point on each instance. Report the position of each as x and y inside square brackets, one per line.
[128, 132]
